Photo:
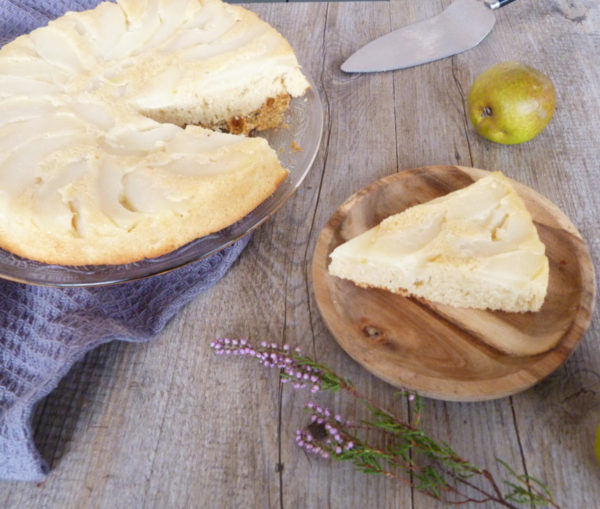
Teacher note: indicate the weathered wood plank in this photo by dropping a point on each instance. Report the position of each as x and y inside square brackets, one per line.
[359, 143]
[430, 108]
[556, 164]
[557, 419]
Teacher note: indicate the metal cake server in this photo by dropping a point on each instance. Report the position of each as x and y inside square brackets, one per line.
[461, 26]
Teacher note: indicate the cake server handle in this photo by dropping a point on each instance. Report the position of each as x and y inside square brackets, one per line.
[496, 4]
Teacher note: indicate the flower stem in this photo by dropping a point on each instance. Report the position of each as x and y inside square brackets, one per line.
[432, 466]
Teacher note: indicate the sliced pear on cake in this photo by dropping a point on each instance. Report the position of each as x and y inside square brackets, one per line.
[110, 120]
[473, 248]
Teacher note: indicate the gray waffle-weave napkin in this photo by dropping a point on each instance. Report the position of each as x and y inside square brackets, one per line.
[44, 331]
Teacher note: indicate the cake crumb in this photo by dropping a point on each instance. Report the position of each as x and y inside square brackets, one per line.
[295, 146]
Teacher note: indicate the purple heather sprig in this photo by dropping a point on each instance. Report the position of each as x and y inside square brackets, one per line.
[296, 369]
[438, 471]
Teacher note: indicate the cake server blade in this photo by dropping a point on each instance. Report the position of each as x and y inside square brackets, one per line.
[461, 26]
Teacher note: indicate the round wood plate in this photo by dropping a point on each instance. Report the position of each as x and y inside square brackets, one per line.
[439, 351]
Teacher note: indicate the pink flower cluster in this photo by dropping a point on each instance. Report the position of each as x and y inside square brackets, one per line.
[271, 355]
[325, 436]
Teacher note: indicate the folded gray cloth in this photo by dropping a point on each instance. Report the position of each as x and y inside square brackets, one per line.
[43, 331]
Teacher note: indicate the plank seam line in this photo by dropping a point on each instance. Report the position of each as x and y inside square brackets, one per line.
[325, 142]
[519, 443]
[465, 117]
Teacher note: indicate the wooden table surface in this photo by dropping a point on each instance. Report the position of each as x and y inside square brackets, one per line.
[170, 425]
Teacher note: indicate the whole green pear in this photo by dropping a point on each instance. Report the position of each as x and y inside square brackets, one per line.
[511, 103]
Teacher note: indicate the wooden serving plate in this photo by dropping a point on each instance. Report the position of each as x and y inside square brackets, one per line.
[439, 351]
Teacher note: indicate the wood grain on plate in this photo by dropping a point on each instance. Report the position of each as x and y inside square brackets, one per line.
[439, 351]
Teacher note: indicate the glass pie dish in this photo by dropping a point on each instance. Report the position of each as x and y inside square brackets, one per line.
[296, 143]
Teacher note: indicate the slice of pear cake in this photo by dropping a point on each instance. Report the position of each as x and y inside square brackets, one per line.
[476, 247]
